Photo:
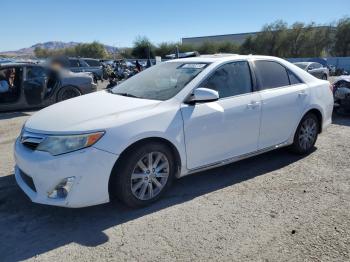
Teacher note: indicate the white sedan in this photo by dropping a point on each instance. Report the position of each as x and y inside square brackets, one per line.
[171, 120]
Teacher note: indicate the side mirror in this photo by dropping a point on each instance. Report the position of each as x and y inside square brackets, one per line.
[202, 94]
[310, 68]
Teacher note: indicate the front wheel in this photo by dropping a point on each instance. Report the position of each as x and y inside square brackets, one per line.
[306, 135]
[145, 174]
[67, 92]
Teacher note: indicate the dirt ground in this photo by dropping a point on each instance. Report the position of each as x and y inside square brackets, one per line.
[273, 207]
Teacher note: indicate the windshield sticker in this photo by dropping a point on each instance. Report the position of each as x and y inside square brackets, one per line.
[193, 66]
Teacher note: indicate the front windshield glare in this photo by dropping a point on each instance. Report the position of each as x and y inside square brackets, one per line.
[160, 82]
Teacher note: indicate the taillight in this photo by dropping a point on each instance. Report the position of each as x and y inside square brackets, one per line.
[331, 87]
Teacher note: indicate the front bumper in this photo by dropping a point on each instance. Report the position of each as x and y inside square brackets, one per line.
[37, 173]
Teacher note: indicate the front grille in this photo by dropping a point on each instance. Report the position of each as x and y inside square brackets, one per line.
[28, 180]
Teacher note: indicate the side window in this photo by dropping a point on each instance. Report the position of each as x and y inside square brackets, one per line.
[293, 79]
[83, 63]
[73, 63]
[230, 79]
[271, 74]
[92, 62]
[316, 65]
[35, 72]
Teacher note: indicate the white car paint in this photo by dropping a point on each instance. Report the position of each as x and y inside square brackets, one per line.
[205, 135]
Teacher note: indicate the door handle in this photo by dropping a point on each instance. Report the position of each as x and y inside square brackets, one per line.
[253, 104]
[302, 93]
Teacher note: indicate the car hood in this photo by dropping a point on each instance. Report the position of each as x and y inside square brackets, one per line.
[96, 111]
[342, 78]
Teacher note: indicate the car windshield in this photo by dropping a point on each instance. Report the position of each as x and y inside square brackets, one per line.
[302, 65]
[160, 82]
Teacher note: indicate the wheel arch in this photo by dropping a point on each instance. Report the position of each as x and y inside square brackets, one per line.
[317, 112]
[122, 157]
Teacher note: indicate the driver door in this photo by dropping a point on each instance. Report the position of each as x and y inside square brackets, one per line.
[220, 130]
[35, 85]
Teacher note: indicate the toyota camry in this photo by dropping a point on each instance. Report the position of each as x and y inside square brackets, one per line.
[174, 119]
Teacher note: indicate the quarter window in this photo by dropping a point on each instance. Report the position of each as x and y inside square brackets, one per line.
[230, 79]
[293, 79]
[271, 74]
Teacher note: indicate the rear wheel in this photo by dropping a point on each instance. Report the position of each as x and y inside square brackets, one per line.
[144, 176]
[67, 93]
[306, 135]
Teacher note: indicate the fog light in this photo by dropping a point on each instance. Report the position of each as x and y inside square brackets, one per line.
[62, 189]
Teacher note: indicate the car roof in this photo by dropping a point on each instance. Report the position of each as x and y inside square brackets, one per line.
[17, 64]
[222, 58]
[304, 63]
[86, 58]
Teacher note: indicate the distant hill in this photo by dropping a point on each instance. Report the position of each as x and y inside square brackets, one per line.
[52, 45]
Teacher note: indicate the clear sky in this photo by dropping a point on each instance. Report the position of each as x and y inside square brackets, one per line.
[118, 23]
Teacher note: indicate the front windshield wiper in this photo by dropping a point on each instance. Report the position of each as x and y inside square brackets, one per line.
[126, 94]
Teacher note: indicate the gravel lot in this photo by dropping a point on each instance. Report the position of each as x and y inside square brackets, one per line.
[273, 207]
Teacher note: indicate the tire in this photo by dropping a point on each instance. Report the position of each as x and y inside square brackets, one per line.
[306, 134]
[324, 77]
[67, 92]
[133, 181]
[95, 79]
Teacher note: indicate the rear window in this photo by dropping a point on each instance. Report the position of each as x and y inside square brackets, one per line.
[92, 62]
[316, 65]
[271, 74]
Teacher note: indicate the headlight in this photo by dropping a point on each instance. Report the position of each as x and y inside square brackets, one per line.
[57, 145]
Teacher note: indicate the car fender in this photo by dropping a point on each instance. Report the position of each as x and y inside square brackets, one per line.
[167, 126]
[307, 109]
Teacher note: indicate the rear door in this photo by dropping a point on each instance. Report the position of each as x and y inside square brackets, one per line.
[35, 85]
[284, 97]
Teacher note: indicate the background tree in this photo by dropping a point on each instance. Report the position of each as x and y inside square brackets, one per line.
[165, 48]
[248, 46]
[93, 50]
[41, 52]
[142, 47]
[228, 47]
[342, 38]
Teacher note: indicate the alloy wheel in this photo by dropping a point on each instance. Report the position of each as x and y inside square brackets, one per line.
[307, 133]
[150, 175]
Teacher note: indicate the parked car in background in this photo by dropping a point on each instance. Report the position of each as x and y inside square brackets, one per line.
[173, 119]
[73, 64]
[315, 69]
[39, 86]
[6, 60]
[341, 89]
